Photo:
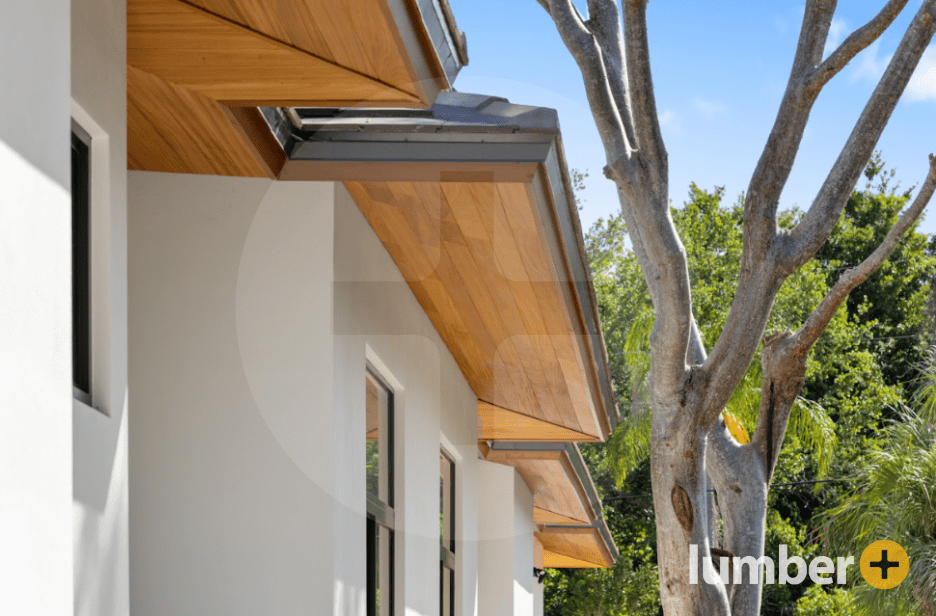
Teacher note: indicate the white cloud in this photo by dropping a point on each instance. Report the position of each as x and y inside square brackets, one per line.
[670, 120]
[922, 85]
[836, 36]
[707, 108]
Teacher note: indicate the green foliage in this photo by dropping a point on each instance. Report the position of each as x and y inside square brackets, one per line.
[712, 235]
[857, 370]
[894, 498]
[893, 303]
[626, 589]
[631, 586]
[819, 602]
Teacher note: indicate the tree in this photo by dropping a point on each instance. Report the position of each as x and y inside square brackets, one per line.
[894, 499]
[844, 380]
[690, 383]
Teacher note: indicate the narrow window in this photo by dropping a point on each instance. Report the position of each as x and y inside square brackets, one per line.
[447, 535]
[380, 514]
[81, 263]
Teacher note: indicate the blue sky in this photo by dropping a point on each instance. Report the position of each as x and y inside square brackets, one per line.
[719, 68]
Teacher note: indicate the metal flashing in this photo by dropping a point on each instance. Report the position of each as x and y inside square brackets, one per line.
[581, 471]
[448, 41]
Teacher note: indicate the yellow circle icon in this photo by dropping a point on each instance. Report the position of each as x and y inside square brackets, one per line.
[884, 564]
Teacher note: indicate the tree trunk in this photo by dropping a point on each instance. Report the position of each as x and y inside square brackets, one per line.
[689, 389]
[680, 500]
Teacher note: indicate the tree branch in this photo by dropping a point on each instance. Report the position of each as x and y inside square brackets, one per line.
[637, 53]
[805, 239]
[784, 355]
[771, 254]
[751, 306]
[640, 175]
[604, 22]
[588, 55]
[784, 368]
[817, 19]
[857, 41]
[820, 317]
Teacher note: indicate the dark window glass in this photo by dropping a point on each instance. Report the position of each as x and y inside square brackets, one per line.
[81, 266]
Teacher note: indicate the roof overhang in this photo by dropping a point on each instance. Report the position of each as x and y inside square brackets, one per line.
[473, 201]
[197, 70]
[567, 509]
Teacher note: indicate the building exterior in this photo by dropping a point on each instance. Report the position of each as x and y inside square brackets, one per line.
[297, 329]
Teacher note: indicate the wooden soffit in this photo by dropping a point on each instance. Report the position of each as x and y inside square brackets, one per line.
[566, 508]
[197, 68]
[559, 496]
[476, 256]
[573, 548]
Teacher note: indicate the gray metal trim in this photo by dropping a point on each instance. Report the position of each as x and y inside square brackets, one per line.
[526, 446]
[578, 465]
[441, 36]
[277, 119]
[415, 151]
[561, 184]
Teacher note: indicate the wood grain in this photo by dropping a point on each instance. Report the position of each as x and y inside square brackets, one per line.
[358, 34]
[573, 549]
[475, 257]
[558, 497]
[500, 424]
[229, 62]
[175, 130]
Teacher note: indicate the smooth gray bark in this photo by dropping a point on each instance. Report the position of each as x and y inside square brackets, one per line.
[690, 445]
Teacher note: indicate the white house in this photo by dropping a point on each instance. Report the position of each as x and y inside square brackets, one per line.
[297, 329]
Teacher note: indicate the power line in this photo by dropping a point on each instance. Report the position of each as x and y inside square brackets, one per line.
[773, 485]
[879, 338]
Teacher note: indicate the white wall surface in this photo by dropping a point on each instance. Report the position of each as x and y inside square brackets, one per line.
[506, 585]
[100, 522]
[377, 317]
[35, 310]
[255, 307]
[524, 582]
[231, 455]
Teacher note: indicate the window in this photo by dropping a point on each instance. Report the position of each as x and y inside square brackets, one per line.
[447, 535]
[81, 263]
[380, 515]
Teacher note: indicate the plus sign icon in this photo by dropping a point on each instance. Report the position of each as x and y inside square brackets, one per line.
[884, 564]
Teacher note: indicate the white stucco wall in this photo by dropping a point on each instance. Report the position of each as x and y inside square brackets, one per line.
[254, 309]
[35, 310]
[506, 586]
[100, 510]
[231, 455]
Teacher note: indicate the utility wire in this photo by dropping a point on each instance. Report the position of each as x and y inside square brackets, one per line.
[773, 485]
[922, 335]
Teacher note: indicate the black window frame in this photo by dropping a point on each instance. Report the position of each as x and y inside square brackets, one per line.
[82, 341]
[380, 513]
[447, 552]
